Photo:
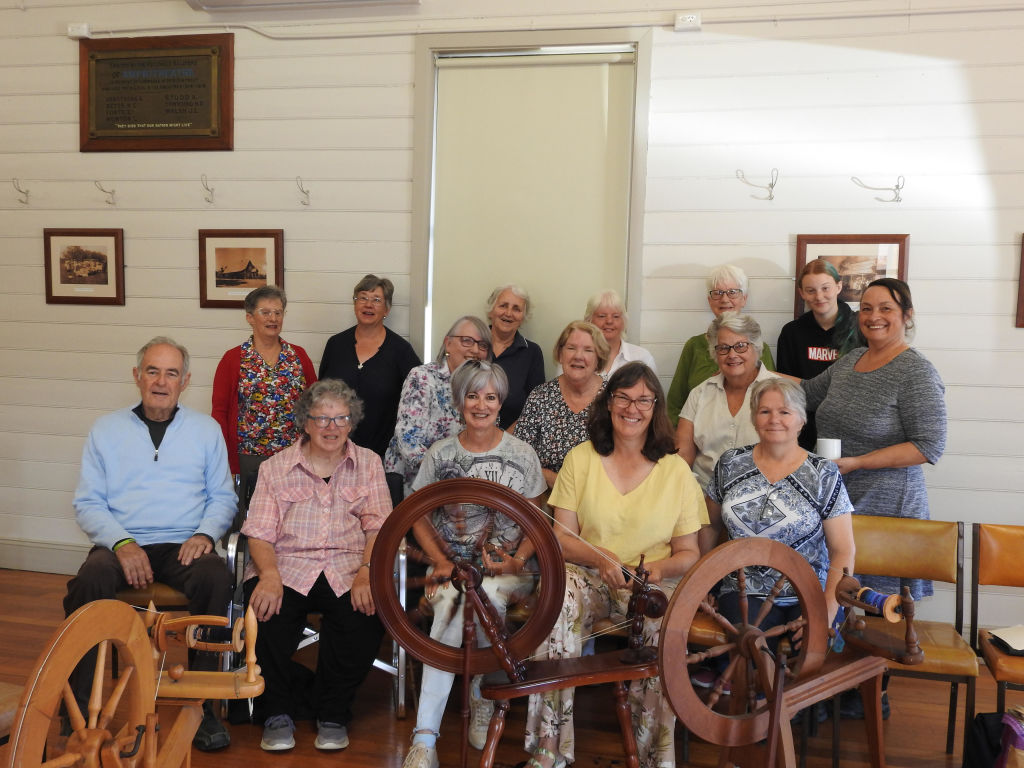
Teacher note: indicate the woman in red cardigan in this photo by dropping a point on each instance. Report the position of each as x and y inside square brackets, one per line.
[256, 386]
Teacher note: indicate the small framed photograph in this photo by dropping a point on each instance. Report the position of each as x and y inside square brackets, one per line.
[84, 266]
[858, 259]
[233, 262]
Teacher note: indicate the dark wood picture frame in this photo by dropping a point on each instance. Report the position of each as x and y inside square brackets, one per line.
[168, 93]
[233, 262]
[1020, 288]
[84, 266]
[856, 250]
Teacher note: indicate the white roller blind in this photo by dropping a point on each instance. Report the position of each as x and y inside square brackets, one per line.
[531, 184]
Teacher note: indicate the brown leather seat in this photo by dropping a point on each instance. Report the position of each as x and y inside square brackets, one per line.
[996, 562]
[924, 549]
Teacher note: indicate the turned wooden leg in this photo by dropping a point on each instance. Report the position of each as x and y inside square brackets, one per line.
[494, 731]
[626, 724]
[871, 693]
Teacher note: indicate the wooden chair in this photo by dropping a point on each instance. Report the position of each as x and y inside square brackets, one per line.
[996, 562]
[924, 549]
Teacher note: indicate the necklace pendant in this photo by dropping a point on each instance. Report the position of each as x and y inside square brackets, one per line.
[359, 367]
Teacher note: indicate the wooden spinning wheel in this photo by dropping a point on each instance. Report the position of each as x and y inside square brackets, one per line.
[126, 708]
[531, 522]
[752, 669]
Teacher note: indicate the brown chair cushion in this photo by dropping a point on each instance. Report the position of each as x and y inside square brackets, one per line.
[945, 651]
[161, 595]
[906, 547]
[999, 553]
[1003, 666]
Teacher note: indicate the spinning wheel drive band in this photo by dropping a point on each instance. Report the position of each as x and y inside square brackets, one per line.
[90, 625]
[534, 526]
[752, 725]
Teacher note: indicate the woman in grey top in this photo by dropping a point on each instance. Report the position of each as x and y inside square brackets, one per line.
[886, 404]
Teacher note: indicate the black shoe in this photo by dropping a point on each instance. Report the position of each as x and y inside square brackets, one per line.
[211, 734]
[851, 705]
[820, 713]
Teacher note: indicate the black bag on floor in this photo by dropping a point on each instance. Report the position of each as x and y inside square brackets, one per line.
[984, 741]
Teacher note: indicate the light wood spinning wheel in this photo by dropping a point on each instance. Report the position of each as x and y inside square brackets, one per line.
[752, 670]
[110, 728]
[534, 526]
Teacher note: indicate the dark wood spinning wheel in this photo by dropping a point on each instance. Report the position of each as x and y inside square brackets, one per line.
[109, 728]
[752, 669]
[534, 526]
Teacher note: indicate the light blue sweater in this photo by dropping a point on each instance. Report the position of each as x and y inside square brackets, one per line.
[124, 492]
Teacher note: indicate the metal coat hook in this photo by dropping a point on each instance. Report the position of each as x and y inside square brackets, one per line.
[24, 192]
[894, 190]
[208, 196]
[303, 190]
[769, 187]
[108, 192]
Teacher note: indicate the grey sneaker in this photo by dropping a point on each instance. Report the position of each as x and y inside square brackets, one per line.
[421, 756]
[330, 736]
[278, 733]
[480, 719]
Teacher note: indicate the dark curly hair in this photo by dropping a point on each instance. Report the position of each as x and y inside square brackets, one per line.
[660, 439]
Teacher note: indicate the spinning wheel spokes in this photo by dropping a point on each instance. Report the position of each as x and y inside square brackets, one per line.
[752, 668]
[535, 528]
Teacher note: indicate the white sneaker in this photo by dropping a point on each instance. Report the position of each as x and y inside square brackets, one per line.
[480, 711]
[421, 756]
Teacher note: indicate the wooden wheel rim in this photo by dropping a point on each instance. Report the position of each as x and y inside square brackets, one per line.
[467, 491]
[712, 726]
[91, 624]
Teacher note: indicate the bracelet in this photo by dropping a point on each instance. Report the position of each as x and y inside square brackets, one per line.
[121, 543]
[520, 559]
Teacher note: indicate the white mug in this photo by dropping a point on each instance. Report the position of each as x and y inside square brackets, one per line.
[829, 447]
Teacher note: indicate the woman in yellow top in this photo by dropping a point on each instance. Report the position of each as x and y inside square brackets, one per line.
[621, 494]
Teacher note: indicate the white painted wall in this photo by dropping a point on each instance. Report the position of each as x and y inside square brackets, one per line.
[932, 96]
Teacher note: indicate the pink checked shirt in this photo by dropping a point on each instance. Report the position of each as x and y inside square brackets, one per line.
[316, 526]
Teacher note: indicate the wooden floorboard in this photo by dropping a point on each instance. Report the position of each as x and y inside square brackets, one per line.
[915, 734]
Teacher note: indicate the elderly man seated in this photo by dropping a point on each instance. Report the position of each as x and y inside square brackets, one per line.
[154, 495]
[312, 521]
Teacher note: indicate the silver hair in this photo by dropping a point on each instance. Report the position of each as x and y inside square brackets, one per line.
[609, 298]
[792, 395]
[156, 341]
[727, 273]
[474, 375]
[262, 293]
[327, 389]
[480, 325]
[518, 292]
[744, 325]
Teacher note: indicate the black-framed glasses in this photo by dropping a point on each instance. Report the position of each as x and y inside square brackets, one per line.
[732, 293]
[642, 403]
[343, 420]
[374, 300]
[739, 346]
[467, 342]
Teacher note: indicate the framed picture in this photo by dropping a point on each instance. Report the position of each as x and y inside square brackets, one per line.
[233, 262]
[858, 259]
[84, 266]
[167, 93]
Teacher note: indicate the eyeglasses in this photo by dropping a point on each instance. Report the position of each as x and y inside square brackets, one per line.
[467, 342]
[739, 346]
[270, 312]
[642, 403]
[375, 300]
[338, 421]
[732, 293]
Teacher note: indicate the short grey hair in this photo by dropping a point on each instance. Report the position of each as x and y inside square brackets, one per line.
[474, 375]
[516, 291]
[370, 283]
[254, 297]
[727, 273]
[609, 298]
[327, 389]
[156, 341]
[480, 325]
[792, 395]
[738, 323]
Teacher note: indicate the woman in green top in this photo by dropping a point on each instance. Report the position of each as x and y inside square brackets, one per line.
[727, 292]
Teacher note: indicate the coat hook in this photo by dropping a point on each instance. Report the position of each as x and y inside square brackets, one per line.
[208, 196]
[770, 186]
[896, 198]
[24, 192]
[108, 192]
[303, 190]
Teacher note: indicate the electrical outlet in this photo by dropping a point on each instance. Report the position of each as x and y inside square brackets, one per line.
[687, 21]
[78, 31]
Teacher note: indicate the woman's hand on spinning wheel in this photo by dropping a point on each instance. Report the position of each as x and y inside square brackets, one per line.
[441, 573]
[610, 568]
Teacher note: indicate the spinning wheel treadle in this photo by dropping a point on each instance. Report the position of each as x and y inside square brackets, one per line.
[534, 526]
[751, 670]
